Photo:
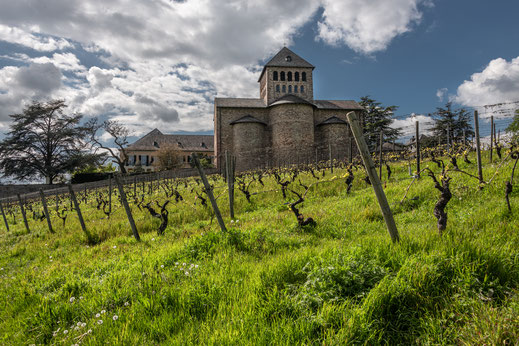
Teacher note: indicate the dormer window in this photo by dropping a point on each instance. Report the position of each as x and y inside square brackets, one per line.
[203, 145]
[156, 145]
[288, 58]
[179, 144]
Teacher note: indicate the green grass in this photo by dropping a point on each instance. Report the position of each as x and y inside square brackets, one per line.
[267, 281]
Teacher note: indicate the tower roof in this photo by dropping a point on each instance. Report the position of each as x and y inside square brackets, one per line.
[290, 98]
[286, 58]
[247, 119]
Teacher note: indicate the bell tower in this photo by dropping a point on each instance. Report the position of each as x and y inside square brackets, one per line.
[286, 74]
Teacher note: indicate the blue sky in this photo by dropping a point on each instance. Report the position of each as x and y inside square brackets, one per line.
[161, 63]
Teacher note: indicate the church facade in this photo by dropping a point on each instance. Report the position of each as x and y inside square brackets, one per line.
[285, 125]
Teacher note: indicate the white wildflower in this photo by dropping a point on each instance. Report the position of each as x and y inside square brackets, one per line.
[115, 317]
[65, 331]
[89, 331]
[187, 273]
[72, 299]
[126, 303]
[152, 239]
[79, 324]
[103, 311]
[115, 246]
[162, 265]
[83, 324]
[98, 315]
[100, 322]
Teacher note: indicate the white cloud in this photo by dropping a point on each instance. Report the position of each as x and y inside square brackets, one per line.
[28, 39]
[497, 83]
[367, 26]
[163, 62]
[440, 94]
[408, 126]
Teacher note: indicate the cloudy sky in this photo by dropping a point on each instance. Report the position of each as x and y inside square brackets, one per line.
[161, 63]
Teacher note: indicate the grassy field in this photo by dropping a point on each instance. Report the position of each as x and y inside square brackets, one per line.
[268, 281]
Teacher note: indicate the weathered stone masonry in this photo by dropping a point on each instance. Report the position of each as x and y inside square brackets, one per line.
[285, 125]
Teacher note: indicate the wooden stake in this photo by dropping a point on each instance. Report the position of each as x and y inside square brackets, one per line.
[124, 202]
[372, 174]
[22, 209]
[491, 136]
[110, 195]
[351, 149]
[78, 211]
[209, 192]
[229, 171]
[46, 210]
[478, 147]
[3, 215]
[418, 149]
[380, 155]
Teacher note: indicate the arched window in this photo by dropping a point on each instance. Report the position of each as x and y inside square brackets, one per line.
[296, 76]
[303, 76]
[282, 75]
[284, 88]
[302, 88]
[289, 88]
[275, 75]
[289, 76]
[295, 89]
[277, 88]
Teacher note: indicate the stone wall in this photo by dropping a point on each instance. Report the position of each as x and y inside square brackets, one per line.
[12, 190]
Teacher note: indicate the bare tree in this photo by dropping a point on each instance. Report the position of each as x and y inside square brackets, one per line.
[169, 157]
[120, 135]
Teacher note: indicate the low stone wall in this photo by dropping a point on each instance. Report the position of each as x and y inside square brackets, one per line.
[12, 190]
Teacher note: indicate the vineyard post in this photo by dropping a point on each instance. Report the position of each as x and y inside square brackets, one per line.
[330, 155]
[229, 172]
[380, 155]
[78, 211]
[464, 138]
[209, 192]
[418, 149]
[135, 186]
[3, 215]
[110, 194]
[478, 146]
[448, 138]
[22, 209]
[351, 149]
[57, 202]
[498, 136]
[124, 202]
[491, 136]
[372, 174]
[46, 210]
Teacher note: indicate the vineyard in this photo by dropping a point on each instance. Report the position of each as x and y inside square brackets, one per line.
[306, 258]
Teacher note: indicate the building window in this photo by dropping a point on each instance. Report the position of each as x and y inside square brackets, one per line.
[275, 75]
[284, 88]
[277, 88]
[302, 88]
[295, 89]
[282, 75]
[303, 76]
[289, 89]
[289, 76]
[296, 76]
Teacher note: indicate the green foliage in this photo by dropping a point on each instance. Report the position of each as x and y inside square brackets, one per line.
[267, 281]
[44, 142]
[454, 121]
[376, 118]
[513, 128]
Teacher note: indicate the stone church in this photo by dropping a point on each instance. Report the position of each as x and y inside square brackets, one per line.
[285, 125]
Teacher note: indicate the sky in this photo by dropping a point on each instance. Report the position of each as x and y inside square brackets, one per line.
[160, 63]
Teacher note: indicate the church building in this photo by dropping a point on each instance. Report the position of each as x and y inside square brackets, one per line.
[285, 125]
